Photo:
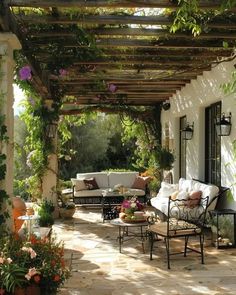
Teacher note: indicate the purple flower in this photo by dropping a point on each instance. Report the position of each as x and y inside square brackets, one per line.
[112, 88]
[63, 72]
[25, 73]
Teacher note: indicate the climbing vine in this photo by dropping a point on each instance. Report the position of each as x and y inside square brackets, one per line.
[190, 18]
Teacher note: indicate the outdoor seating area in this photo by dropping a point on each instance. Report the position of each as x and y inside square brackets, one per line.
[117, 147]
[99, 268]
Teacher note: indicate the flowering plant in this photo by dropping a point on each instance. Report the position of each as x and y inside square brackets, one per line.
[129, 206]
[35, 261]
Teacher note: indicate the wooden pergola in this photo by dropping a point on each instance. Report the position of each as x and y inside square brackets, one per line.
[135, 52]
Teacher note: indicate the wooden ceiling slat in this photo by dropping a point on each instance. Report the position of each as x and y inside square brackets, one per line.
[211, 4]
[117, 20]
[139, 32]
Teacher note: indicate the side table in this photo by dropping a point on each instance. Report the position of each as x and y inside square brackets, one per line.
[224, 212]
[125, 233]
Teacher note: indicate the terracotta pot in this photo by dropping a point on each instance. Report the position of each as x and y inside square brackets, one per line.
[29, 290]
[66, 213]
[19, 209]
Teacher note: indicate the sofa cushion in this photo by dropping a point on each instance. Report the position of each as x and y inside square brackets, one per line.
[185, 184]
[125, 178]
[79, 184]
[101, 178]
[141, 182]
[91, 183]
[167, 189]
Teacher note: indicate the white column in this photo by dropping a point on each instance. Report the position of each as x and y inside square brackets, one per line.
[8, 43]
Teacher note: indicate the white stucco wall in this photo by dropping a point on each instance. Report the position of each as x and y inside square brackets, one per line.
[192, 101]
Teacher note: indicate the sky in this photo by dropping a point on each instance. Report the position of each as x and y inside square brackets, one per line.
[18, 96]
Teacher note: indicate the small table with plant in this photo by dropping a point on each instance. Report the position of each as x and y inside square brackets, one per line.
[132, 222]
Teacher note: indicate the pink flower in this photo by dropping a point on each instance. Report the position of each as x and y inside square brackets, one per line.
[2, 260]
[31, 273]
[25, 73]
[63, 72]
[112, 88]
[29, 250]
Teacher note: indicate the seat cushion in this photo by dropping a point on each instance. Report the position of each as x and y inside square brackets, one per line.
[176, 229]
[89, 193]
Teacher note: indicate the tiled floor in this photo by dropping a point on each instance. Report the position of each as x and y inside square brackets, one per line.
[99, 269]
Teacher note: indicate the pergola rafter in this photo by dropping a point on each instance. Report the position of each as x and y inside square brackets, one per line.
[135, 52]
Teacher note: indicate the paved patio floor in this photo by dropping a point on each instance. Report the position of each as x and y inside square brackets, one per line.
[99, 269]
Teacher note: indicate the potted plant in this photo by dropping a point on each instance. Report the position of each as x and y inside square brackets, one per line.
[32, 267]
[45, 214]
[66, 207]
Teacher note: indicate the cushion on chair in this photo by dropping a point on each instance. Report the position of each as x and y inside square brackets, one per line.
[180, 228]
[79, 184]
[141, 182]
[91, 183]
[194, 199]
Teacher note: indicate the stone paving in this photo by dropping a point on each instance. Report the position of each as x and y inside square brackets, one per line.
[99, 269]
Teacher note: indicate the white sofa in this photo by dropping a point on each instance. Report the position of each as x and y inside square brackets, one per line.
[181, 190]
[105, 181]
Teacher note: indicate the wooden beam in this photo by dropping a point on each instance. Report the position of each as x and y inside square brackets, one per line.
[158, 33]
[121, 42]
[211, 4]
[118, 20]
[124, 83]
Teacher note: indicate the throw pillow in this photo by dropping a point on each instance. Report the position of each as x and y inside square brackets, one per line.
[91, 183]
[194, 199]
[182, 195]
[167, 189]
[174, 195]
[141, 182]
[79, 184]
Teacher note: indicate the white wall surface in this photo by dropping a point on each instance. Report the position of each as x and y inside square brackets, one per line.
[191, 101]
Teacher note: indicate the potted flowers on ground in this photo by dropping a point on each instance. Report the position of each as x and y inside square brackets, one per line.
[66, 207]
[32, 267]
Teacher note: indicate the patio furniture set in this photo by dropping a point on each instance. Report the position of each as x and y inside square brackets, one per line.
[182, 208]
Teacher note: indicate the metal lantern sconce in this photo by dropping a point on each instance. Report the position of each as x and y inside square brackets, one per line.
[223, 125]
[51, 130]
[187, 132]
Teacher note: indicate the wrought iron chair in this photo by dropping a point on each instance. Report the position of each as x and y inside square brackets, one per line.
[185, 219]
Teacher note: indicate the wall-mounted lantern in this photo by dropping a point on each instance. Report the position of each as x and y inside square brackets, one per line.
[223, 125]
[187, 132]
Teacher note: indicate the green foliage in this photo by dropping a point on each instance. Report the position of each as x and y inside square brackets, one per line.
[164, 158]
[190, 18]
[45, 213]
[230, 87]
[12, 276]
